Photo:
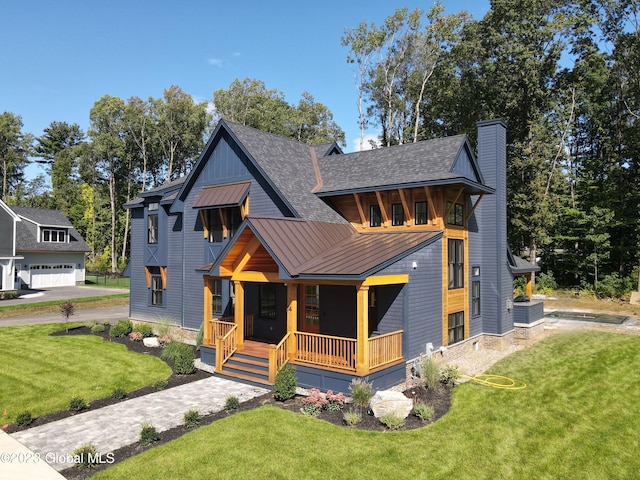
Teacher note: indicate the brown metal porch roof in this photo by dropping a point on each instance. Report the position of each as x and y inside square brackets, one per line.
[226, 195]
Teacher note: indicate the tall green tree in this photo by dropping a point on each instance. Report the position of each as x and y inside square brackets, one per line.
[15, 147]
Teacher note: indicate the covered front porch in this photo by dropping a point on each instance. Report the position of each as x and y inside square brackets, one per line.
[310, 310]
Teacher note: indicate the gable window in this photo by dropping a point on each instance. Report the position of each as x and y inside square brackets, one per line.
[234, 219]
[267, 301]
[456, 263]
[54, 236]
[421, 213]
[156, 290]
[214, 223]
[216, 303]
[152, 228]
[475, 298]
[456, 214]
[456, 327]
[375, 217]
[397, 214]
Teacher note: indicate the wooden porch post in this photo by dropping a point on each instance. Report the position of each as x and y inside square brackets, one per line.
[530, 285]
[362, 340]
[239, 314]
[208, 292]
[292, 318]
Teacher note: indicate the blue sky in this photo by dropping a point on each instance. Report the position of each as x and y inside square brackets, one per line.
[59, 57]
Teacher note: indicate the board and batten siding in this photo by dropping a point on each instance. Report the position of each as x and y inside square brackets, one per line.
[226, 164]
[175, 288]
[139, 293]
[6, 234]
[421, 299]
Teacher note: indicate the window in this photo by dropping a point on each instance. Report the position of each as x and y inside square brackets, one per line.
[475, 298]
[475, 271]
[234, 219]
[215, 225]
[421, 213]
[54, 236]
[152, 228]
[456, 214]
[456, 263]
[312, 305]
[375, 217]
[156, 290]
[456, 327]
[216, 303]
[397, 214]
[268, 301]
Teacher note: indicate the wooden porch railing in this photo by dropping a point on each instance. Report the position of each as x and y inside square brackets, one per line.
[225, 346]
[248, 323]
[385, 349]
[278, 356]
[219, 328]
[325, 350]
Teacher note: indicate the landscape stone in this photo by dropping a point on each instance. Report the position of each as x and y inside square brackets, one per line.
[388, 401]
[151, 342]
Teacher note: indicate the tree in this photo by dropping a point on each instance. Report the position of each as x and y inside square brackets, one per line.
[313, 123]
[107, 134]
[15, 148]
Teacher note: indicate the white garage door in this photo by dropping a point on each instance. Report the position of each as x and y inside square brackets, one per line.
[54, 275]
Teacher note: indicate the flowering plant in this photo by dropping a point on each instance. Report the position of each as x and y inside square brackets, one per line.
[335, 401]
[136, 336]
[313, 404]
[164, 339]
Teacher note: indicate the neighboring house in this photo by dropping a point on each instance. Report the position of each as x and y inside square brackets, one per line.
[39, 248]
[346, 265]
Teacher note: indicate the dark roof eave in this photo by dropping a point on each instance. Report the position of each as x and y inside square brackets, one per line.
[473, 188]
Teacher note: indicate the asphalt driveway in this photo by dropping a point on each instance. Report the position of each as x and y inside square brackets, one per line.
[61, 293]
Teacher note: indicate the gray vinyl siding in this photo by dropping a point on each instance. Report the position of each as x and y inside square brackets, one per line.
[175, 256]
[6, 234]
[421, 301]
[476, 257]
[497, 284]
[138, 303]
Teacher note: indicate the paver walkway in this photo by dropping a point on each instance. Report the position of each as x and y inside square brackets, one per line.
[119, 425]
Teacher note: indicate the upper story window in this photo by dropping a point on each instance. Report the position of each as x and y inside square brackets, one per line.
[456, 263]
[222, 223]
[234, 219]
[54, 235]
[456, 214]
[152, 228]
[375, 217]
[397, 214]
[421, 217]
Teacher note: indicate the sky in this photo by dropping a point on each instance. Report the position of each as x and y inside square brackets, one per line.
[58, 57]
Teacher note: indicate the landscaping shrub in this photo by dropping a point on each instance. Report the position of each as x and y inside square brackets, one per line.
[171, 351]
[66, 310]
[423, 411]
[86, 456]
[430, 372]
[183, 364]
[352, 417]
[136, 336]
[615, 286]
[392, 421]
[285, 385]
[313, 404]
[361, 392]
[335, 401]
[449, 375]
[545, 283]
[98, 328]
[77, 404]
[118, 394]
[121, 329]
[148, 434]
[160, 384]
[144, 328]
[24, 419]
[232, 403]
[191, 418]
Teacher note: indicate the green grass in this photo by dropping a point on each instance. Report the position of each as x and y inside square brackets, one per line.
[51, 306]
[577, 418]
[105, 281]
[41, 373]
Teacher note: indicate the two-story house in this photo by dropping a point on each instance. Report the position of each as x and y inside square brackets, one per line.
[346, 265]
[39, 248]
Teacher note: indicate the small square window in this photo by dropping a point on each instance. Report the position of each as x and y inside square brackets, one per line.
[456, 214]
[475, 271]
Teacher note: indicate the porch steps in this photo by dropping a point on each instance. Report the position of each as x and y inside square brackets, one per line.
[247, 367]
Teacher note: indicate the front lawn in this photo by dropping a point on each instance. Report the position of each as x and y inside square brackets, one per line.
[577, 418]
[41, 373]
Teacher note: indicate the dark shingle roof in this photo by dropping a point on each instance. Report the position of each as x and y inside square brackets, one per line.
[289, 166]
[520, 265]
[26, 237]
[429, 160]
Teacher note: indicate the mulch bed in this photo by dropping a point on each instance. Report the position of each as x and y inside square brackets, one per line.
[439, 399]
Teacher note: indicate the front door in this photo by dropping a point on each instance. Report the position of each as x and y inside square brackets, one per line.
[310, 311]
